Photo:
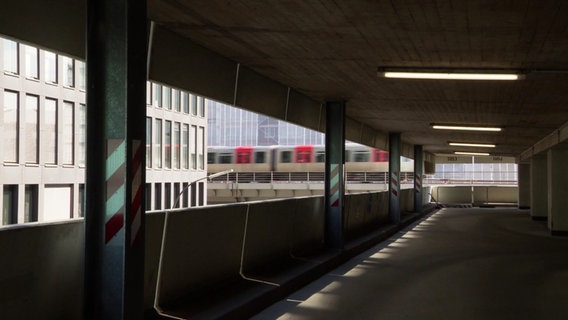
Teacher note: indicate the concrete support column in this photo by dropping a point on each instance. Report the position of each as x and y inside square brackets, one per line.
[394, 174]
[418, 173]
[539, 187]
[334, 176]
[524, 185]
[116, 113]
[557, 190]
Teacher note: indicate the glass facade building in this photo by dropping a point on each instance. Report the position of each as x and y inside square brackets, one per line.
[229, 126]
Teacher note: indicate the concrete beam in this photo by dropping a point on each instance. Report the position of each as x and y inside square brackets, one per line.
[55, 24]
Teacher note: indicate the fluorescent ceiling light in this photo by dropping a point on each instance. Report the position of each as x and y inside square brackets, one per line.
[472, 153]
[464, 144]
[467, 128]
[449, 73]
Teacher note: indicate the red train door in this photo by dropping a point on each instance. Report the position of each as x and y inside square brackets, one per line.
[304, 154]
[380, 155]
[243, 155]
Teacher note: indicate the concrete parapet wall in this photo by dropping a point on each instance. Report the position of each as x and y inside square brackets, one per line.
[365, 211]
[476, 195]
[41, 274]
[41, 271]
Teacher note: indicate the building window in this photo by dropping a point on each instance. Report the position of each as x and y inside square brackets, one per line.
[148, 196]
[10, 205]
[201, 193]
[201, 147]
[11, 125]
[175, 100]
[185, 146]
[30, 204]
[185, 195]
[168, 195]
[149, 93]
[193, 147]
[68, 133]
[81, 208]
[193, 104]
[167, 97]
[82, 76]
[157, 94]
[157, 196]
[68, 73]
[148, 142]
[11, 56]
[158, 143]
[201, 106]
[185, 102]
[177, 201]
[177, 138]
[49, 140]
[82, 135]
[50, 66]
[193, 195]
[31, 133]
[32, 62]
[168, 142]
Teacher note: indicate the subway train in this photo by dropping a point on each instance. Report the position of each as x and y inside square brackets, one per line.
[301, 158]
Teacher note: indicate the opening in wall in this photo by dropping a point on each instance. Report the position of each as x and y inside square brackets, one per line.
[10, 205]
[31, 203]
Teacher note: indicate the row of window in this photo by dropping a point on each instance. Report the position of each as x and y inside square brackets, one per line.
[174, 145]
[45, 127]
[57, 203]
[161, 96]
[56, 68]
[164, 196]
[57, 200]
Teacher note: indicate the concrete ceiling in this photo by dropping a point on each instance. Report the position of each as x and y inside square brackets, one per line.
[332, 49]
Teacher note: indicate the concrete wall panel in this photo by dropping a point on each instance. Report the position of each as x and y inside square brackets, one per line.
[305, 111]
[260, 94]
[47, 21]
[185, 65]
[41, 273]
[364, 212]
[481, 194]
[203, 247]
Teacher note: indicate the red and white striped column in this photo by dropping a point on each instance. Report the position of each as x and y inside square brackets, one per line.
[418, 173]
[394, 174]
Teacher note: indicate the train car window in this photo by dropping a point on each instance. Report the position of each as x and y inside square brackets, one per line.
[210, 157]
[259, 157]
[347, 155]
[361, 156]
[286, 157]
[320, 156]
[226, 158]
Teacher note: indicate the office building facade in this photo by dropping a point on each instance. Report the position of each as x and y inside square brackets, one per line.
[43, 142]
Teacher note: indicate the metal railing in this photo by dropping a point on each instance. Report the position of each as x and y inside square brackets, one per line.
[314, 177]
[472, 178]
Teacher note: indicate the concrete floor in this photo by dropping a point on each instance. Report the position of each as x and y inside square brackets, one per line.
[455, 264]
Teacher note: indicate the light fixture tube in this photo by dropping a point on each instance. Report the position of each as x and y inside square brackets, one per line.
[451, 75]
[464, 144]
[471, 153]
[467, 128]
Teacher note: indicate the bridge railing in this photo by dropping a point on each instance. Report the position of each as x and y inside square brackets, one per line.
[314, 176]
